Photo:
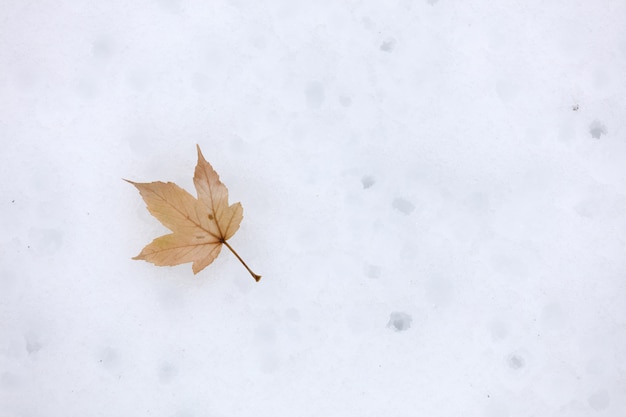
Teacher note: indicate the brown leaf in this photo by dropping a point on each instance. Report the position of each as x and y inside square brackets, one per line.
[200, 226]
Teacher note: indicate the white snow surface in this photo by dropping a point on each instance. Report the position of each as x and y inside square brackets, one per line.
[434, 192]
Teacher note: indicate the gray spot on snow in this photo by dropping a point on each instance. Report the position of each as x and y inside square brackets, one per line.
[432, 2]
[499, 331]
[367, 181]
[388, 45]
[368, 23]
[552, 316]
[507, 89]
[184, 413]
[477, 203]
[439, 291]
[139, 80]
[269, 363]
[292, 314]
[315, 94]
[45, 241]
[102, 49]
[9, 380]
[345, 101]
[507, 264]
[200, 82]
[599, 400]
[399, 321]
[167, 372]
[32, 345]
[403, 206]
[516, 361]
[373, 271]
[108, 358]
[597, 129]
[87, 88]
[496, 408]
[7, 281]
[172, 6]
[266, 334]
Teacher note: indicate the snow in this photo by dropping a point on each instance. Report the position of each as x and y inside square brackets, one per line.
[433, 191]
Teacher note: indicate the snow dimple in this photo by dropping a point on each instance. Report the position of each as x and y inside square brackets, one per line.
[269, 363]
[367, 181]
[499, 331]
[597, 129]
[315, 95]
[439, 291]
[167, 372]
[266, 334]
[9, 380]
[399, 321]
[102, 49]
[403, 206]
[292, 314]
[45, 241]
[553, 317]
[200, 83]
[184, 413]
[266, 338]
[32, 345]
[8, 281]
[373, 271]
[109, 358]
[516, 361]
[507, 89]
[171, 6]
[599, 400]
[388, 45]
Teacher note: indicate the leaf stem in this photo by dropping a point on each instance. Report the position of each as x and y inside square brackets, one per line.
[256, 277]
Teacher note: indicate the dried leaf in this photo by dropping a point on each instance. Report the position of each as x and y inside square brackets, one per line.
[200, 226]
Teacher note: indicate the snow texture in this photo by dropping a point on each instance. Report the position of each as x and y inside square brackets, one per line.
[434, 192]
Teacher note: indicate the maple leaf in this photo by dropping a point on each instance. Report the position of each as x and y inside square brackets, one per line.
[200, 226]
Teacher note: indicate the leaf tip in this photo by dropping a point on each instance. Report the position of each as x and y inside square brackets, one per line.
[200, 156]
